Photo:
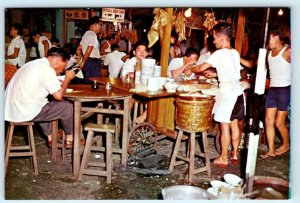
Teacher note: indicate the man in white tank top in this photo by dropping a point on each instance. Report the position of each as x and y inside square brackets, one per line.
[278, 97]
[43, 43]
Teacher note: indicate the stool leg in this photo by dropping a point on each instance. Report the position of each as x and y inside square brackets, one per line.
[10, 132]
[117, 133]
[32, 147]
[191, 157]
[54, 140]
[175, 151]
[118, 125]
[88, 143]
[207, 160]
[99, 115]
[135, 112]
[107, 118]
[109, 160]
[63, 150]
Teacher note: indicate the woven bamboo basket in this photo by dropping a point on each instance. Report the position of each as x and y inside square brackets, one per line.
[194, 114]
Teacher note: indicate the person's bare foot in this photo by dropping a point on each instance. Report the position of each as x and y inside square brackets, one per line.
[267, 155]
[282, 151]
[221, 162]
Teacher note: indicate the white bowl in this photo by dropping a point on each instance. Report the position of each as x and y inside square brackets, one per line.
[213, 191]
[218, 184]
[170, 80]
[171, 87]
[232, 179]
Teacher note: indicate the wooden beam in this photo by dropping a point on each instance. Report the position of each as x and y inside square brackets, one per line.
[240, 31]
[165, 44]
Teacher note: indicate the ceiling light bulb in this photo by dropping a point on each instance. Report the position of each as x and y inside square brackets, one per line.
[188, 12]
[115, 23]
[280, 12]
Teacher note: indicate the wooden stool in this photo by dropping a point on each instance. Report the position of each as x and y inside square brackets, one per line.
[90, 140]
[190, 158]
[55, 144]
[20, 151]
[117, 106]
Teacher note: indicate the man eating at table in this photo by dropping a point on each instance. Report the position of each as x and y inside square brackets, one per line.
[26, 96]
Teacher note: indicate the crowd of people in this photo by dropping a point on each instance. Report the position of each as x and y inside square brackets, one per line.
[217, 60]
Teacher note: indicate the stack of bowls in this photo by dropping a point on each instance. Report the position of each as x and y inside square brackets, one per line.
[147, 70]
[157, 71]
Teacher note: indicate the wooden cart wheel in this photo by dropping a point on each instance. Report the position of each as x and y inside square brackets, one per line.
[142, 136]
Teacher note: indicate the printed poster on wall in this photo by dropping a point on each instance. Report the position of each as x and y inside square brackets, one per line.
[113, 15]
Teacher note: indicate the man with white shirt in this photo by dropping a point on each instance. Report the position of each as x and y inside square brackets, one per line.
[88, 51]
[16, 52]
[115, 61]
[229, 105]
[26, 96]
[43, 43]
[140, 52]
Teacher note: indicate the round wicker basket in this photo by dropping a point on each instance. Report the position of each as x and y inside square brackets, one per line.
[194, 114]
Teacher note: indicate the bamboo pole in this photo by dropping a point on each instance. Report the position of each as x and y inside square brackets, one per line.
[165, 43]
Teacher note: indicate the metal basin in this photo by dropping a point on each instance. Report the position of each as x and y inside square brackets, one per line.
[180, 192]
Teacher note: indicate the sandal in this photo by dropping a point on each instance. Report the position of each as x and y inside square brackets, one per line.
[234, 161]
[60, 133]
[69, 143]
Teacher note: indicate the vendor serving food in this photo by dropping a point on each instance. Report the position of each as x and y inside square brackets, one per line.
[229, 105]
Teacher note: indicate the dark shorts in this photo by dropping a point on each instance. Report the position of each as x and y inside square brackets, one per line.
[238, 111]
[91, 69]
[278, 97]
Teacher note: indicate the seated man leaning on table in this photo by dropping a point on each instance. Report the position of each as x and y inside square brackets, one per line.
[26, 96]
[177, 66]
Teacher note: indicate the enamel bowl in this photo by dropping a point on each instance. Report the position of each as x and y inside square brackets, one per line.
[171, 87]
[232, 179]
[219, 184]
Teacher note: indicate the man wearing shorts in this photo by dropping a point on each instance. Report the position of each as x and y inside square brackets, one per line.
[229, 105]
[278, 98]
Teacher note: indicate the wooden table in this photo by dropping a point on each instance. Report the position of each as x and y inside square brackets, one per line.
[161, 107]
[84, 93]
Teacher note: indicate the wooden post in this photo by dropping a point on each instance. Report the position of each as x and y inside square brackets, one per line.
[165, 44]
[240, 31]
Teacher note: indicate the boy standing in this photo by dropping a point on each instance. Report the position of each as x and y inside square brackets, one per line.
[89, 47]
